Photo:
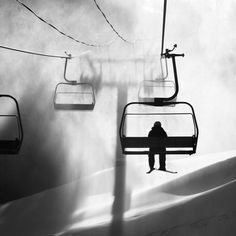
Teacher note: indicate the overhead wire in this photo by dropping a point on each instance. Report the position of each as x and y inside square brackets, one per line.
[85, 43]
[68, 56]
[105, 17]
[32, 53]
[61, 32]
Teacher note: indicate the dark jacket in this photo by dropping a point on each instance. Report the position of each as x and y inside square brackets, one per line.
[159, 132]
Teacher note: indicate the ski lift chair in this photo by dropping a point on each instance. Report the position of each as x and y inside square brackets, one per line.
[11, 144]
[177, 144]
[73, 95]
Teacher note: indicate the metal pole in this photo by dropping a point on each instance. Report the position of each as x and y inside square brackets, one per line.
[163, 26]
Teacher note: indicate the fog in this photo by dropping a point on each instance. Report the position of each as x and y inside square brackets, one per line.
[61, 146]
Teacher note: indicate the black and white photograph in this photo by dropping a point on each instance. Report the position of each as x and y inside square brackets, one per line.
[117, 118]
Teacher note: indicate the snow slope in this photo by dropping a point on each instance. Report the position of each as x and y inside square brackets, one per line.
[199, 200]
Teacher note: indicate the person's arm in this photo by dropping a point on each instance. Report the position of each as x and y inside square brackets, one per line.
[164, 134]
[149, 134]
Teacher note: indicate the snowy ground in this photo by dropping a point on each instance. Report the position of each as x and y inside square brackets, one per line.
[199, 200]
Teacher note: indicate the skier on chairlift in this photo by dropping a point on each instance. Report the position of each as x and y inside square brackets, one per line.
[159, 132]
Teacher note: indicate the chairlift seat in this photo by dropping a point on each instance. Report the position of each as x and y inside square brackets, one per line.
[74, 96]
[9, 146]
[174, 145]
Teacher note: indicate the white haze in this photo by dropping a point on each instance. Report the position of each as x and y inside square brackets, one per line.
[81, 143]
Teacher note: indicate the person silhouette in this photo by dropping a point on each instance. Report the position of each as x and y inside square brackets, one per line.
[158, 132]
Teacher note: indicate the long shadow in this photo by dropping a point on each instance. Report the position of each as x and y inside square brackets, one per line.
[43, 213]
[118, 207]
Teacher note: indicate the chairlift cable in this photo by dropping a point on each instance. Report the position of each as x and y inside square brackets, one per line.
[108, 22]
[61, 32]
[46, 55]
[163, 26]
[34, 53]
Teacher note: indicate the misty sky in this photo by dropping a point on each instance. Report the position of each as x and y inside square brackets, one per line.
[203, 30]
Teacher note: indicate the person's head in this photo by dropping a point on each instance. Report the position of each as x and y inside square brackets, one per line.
[157, 123]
